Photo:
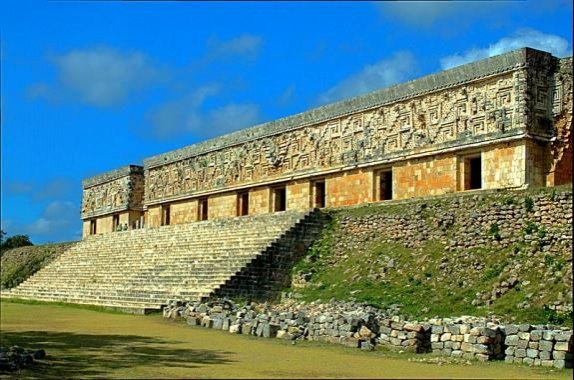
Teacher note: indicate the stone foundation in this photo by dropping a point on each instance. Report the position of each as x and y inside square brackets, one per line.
[365, 327]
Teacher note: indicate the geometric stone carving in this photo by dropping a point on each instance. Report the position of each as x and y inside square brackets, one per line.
[118, 190]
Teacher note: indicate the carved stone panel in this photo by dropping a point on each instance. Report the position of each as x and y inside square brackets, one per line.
[118, 190]
[428, 122]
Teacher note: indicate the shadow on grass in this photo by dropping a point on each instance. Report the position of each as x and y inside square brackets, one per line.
[79, 355]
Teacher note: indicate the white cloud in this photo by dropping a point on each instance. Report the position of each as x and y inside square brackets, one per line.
[429, 13]
[398, 68]
[287, 95]
[245, 45]
[55, 188]
[100, 76]
[554, 44]
[57, 222]
[187, 116]
[426, 13]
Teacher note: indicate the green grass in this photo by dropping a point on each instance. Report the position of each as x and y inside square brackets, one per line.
[100, 309]
[416, 280]
[83, 343]
[20, 263]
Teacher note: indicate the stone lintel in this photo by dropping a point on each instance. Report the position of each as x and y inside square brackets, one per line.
[511, 61]
[123, 208]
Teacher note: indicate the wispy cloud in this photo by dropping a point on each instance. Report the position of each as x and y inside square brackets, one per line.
[287, 95]
[430, 13]
[100, 76]
[398, 68]
[245, 45]
[53, 189]
[58, 221]
[427, 13]
[522, 38]
[187, 115]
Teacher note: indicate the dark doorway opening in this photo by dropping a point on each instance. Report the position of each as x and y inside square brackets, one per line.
[280, 199]
[242, 204]
[165, 215]
[475, 173]
[203, 211]
[93, 225]
[115, 222]
[386, 185]
[320, 194]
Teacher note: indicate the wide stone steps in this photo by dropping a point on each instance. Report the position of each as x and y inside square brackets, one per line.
[142, 269]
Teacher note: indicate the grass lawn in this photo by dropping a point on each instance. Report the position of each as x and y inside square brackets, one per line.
[88, 343]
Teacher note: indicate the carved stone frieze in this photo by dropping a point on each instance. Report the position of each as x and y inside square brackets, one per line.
[115, 191]
[562, 100]
[476, 109]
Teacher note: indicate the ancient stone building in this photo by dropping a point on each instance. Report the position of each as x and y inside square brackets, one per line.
[502, 122]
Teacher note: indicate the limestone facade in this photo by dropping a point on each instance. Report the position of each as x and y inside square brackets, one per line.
[503, 122]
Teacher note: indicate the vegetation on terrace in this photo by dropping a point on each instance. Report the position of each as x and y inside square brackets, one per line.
[18, 264]
[428, 279]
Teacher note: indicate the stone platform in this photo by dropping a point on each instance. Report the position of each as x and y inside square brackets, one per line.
[140, 270]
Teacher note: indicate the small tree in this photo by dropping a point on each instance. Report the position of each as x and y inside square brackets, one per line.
[13, 241]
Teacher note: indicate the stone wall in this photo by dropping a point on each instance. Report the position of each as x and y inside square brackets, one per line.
[115, 191]
[477, 104]
[513, 110]
[535, 227]
[365, 327]
[539, 345]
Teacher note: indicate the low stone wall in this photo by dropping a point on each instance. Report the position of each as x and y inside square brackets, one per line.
[397, 334]
[362, 326]
[539, 345]
[468, 338]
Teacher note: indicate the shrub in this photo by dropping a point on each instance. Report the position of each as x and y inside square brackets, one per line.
[530, 227]
[494, 231]
[528, 204]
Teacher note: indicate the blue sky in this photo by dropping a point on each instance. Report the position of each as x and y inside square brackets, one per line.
[91, 86]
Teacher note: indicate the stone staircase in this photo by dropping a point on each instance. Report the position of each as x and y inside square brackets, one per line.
[140, 270]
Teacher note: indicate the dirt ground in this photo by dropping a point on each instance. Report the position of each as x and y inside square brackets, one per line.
[86, 343]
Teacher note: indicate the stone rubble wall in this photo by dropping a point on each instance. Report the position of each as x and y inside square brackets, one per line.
[539, 345]
[365, 327]
[468, 338]
[537, 225]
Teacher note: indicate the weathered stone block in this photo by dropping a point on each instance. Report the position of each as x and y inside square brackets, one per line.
[560, 355]
[511, 340]
[235, 329]
[520, 353]
[545, 345]
[524, 335]
[559, 363]
[531, 353]
[482, 357]
[546, 355]
[561, 346]
[536, 335]
[522, 343]
[444, 337]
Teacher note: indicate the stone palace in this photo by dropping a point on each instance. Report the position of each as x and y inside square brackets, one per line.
[502, 122]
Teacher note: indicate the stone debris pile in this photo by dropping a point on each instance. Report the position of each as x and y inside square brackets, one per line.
[15, 358]
[365, 327]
